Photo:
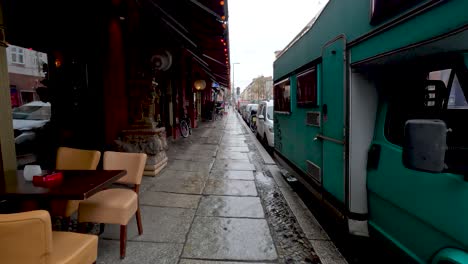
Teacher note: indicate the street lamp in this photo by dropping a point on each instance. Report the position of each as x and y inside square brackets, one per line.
[233, 86]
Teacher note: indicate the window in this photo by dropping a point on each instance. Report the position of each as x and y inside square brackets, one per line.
[307, 88]
[434, 95]
[27, 97]
[270, 112]
[17, 55]
[282, 96]
[456, 98]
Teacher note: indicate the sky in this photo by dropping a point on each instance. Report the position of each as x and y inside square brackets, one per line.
[258, 28]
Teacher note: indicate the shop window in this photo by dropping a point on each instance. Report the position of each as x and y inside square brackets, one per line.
[307, 88]
[17, 55]
[282, 96]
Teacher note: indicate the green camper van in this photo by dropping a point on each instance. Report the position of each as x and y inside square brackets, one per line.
[374, 92]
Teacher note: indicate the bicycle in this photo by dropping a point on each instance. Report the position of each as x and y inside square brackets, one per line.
[218, 113]
[184, 126]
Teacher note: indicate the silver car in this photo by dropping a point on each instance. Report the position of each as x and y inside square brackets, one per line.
[265, 123]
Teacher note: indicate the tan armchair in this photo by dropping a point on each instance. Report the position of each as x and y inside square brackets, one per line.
[117, 206]
[28, 238]
[73, 159]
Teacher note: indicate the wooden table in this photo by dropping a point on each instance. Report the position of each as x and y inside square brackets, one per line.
[76, 185]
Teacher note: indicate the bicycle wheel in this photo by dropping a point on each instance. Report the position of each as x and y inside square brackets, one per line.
[189, 122]
[184, 128]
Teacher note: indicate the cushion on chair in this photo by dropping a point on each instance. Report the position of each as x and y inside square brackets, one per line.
[73, 248]
[112, 206]
[133, 163]
[77, 159]
[73, 159]
[25, 237]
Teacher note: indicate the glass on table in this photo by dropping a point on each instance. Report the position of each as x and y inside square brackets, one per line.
[30, 171]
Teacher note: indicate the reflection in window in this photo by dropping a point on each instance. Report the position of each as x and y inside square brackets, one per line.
[307, 88]
[17, 55]
[456, 98]
[282, 96]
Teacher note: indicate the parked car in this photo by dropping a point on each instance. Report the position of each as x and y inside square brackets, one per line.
[253, 118]
[28, 122]
[251, 110]
[242, 109]
[265, 130]
[246, 111]
[28, 118]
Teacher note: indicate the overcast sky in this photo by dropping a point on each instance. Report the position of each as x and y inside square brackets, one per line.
[257, 28]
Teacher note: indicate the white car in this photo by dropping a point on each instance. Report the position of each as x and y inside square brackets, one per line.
[252, 110]
[265, 123]
[29, 117]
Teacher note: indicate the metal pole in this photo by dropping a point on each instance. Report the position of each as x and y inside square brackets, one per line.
[233, 85]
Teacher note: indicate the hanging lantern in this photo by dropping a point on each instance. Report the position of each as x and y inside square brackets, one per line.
[199, 85]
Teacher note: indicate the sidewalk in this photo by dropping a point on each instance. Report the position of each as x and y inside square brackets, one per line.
[217, 202]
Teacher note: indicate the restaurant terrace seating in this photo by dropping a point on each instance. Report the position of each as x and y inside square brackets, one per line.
[28, 238]
[73, 159]
[117, 206]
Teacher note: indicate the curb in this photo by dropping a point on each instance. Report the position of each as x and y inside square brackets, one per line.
[263, 153]
[321, 243]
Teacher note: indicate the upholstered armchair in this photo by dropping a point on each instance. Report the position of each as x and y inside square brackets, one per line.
[28, 238]
[73, 159]
[117, 206]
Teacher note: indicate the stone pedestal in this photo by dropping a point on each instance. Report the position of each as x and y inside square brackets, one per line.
[149, 140]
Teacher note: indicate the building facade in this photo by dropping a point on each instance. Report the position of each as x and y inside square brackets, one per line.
[260, 89]
[25, 71]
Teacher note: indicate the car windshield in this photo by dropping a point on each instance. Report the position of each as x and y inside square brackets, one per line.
[32, 112]
[270, 112]
[254, 107]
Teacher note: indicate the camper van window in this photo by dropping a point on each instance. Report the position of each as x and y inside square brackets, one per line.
[282, 96]
[456, 99]
[451, 111]
[307, 88]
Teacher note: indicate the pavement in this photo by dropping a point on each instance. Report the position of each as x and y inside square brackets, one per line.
[220, 200]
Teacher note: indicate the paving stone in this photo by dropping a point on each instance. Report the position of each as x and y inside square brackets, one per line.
[202, 147]
[194, 157]
[172, 153]
[233, 144]
[233, 165]
[232, 175]
[169, 225]
[230, 187]
[229, 239]
[169, 199]
[231, 206]
[327, 252]
[238, 149]
[138, 252]
[184, 165]
[233, 138]
[230, 155]
[193, 261]
[181, 175]
[175, 185]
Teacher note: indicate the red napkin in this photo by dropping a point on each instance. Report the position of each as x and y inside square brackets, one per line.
[48, 180]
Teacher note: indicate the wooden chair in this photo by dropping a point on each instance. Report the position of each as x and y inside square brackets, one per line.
[28, 238]
[118, 205]
[73, 159]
